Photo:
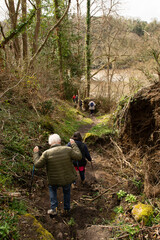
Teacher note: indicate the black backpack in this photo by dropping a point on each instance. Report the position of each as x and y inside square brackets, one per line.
[83, 161]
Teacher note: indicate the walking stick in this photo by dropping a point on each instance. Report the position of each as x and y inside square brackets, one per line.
[32, 179]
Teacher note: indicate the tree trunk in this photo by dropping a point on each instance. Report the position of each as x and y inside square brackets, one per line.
[24, 34]
[78, 27]
[59, 44]
[37, 28]
[88, 53]
[13, 16]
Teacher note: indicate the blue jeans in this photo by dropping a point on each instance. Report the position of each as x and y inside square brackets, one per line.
[66, 196]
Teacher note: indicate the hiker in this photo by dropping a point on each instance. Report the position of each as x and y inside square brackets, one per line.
[80, 165]
[92, 106]
[74, 98]
[60, 170]
[80, 104]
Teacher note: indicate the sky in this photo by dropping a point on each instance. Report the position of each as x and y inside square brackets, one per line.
[145, 10]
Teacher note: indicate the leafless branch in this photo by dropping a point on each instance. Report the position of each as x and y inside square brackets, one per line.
[16, 31]
[45, 40]
[123, 157]
[2, 30]
[7, 4]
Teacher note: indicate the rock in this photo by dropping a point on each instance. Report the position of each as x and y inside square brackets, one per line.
[35, 230]
[60, 235]
[142, 212]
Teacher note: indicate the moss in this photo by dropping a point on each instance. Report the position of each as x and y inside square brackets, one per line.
[44, 234]
[142, 212]
[88, 135]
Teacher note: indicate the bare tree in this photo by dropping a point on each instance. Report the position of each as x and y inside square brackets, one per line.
[13, 14]
[48, 34]
[24, 34]
[59, 44]
[88, 48]
[37, 28]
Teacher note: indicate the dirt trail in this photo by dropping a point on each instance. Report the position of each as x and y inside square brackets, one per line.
[85, 128]
[86, 210]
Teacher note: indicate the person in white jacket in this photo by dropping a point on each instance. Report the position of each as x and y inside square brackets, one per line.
[92, 107]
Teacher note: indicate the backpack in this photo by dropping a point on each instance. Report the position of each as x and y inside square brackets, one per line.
[83, 161]
[91, 104]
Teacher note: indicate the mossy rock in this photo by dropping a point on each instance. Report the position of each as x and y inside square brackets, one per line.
[142, 212]
[32, 229]
[93, 139]
[90, 138]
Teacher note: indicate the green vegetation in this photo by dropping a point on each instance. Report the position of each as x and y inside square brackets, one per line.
[121, 194]
[131, 230]
[23, 128]
[138, 184]
[119, 209]
[71, 222]
[100, 130]
[9, 211]
[130, 198]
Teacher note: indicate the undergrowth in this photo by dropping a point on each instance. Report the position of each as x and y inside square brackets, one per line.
[23, 127]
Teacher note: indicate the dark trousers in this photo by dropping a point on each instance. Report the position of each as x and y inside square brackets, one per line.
[82, 175]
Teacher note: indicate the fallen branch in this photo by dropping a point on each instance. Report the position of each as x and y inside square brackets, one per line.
[35, 109]
[12, 87]
[10, 194]
[15, 85]
[104, 192]
[123, 157]
[79, 204]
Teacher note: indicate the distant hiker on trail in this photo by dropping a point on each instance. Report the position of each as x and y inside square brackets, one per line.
[60, 170]
[80, 104]
[74, 98]
[92, 106]
[80, 165]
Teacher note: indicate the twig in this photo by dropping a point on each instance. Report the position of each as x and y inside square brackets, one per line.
[35, 109]
[103, 192]
[77, 203]
[13, 172]
[2, 124]
[12, 87]
[123, 157]
[123, 236]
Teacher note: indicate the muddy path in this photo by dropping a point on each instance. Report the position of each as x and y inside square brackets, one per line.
[91, 204]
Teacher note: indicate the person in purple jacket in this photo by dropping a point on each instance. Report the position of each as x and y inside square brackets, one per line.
[80, 165]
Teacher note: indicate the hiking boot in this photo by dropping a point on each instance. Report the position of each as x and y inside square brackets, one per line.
[52, 212]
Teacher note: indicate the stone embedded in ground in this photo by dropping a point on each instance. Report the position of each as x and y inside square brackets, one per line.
[142, 212]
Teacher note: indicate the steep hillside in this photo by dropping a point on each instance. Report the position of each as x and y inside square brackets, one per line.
[141, 130]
